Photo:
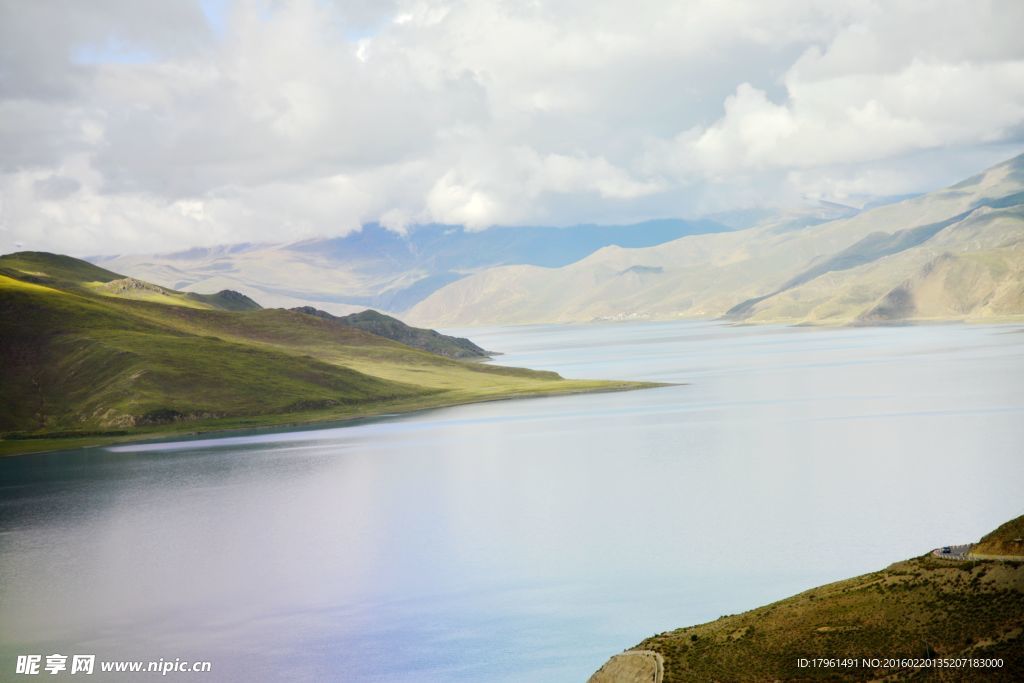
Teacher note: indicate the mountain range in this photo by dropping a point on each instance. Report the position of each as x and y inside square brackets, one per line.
[950, 254]
[957, 253]
[391, 271]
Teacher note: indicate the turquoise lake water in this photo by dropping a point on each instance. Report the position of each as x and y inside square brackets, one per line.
[522, 540]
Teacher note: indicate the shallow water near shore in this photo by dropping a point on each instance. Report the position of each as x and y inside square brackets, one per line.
[522, 540]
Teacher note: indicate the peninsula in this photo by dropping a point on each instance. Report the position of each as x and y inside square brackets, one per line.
[92, 357]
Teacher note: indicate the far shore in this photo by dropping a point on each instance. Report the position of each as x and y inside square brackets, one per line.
[732, 322]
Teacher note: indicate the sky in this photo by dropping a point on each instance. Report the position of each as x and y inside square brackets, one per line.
[136, 127]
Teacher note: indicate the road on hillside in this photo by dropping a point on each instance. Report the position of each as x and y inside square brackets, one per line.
[956, 552]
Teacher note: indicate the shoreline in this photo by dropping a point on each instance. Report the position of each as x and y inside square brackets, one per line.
[449, 328]
[279, 421]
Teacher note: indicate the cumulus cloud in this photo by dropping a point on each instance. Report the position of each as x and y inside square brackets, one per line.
[126, 127]
[854, 118]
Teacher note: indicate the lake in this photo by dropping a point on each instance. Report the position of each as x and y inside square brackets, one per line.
[522, 540]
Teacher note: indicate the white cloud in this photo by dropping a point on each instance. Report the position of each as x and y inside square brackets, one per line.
[452, 200]
[857, 118]
[124, 130]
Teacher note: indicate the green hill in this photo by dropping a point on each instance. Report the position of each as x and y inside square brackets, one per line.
[85, 362]
[923, 608]
[394, 329]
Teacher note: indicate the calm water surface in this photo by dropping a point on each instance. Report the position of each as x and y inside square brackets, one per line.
[522, 540]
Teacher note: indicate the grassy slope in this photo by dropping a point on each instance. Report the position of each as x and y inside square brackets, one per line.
[1007, 540]
[75, 363]
[927, 604]
[94, 366]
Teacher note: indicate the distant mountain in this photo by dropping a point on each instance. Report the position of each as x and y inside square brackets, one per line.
[380, 268]
[87, 355]
[394, 329]
[957, 253]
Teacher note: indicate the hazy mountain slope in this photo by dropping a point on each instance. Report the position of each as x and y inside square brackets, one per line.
[275, 277]
[922, 608]
[767, 272]
[86, 363]
[382, 269]
[971, 269]
[978, 285]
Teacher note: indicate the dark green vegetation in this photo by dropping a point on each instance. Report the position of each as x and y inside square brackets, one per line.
[89, 356]
[227, 300]
[395, 330]
[920, 608]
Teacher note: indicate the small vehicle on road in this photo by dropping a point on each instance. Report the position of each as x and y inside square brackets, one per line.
[946, 550]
